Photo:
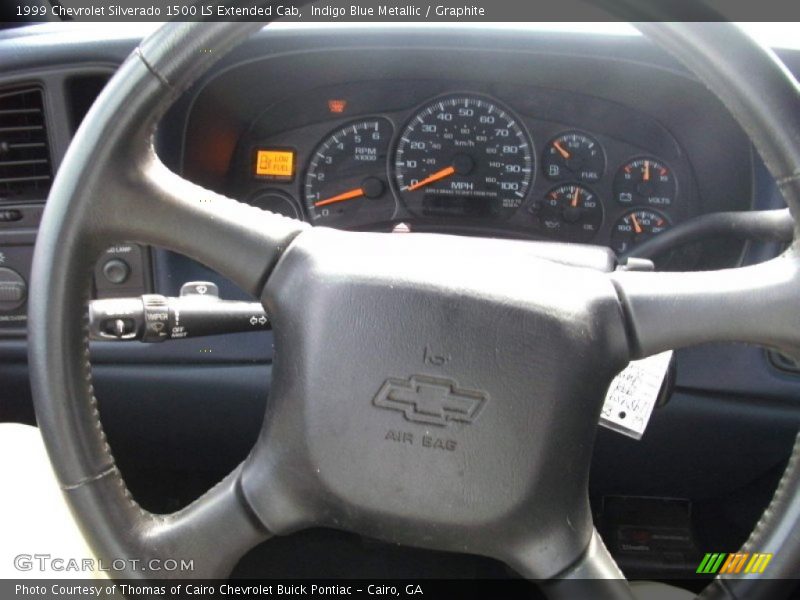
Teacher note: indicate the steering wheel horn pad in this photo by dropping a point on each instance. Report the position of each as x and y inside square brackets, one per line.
[420, 386]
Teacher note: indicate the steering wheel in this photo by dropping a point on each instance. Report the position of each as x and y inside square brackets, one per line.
[485, 451]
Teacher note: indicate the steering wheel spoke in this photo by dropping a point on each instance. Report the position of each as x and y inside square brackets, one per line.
[594, 575]
[756, 304]
[211, 534]
[158, 207]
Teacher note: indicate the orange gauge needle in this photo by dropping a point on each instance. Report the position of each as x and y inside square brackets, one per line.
[349, 195]
[647, 170]
[575, 197]
[636, 226]
[446, 172]
[561, 150]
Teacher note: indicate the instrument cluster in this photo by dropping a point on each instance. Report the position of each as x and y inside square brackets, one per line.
[472, 163]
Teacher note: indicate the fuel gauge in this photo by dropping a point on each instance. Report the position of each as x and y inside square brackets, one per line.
[635, 227]
[575, 156]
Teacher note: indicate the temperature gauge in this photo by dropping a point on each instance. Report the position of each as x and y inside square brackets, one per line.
[645, 181]
[575, 156]
[570, 211]
[635, 227]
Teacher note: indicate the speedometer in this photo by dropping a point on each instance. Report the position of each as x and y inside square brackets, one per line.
[464, 156]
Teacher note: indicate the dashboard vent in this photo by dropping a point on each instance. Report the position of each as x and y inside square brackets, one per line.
[25, 172]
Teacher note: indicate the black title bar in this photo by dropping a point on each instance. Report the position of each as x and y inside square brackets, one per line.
[437, 11]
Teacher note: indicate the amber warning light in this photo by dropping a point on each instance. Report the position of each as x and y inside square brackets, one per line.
[337, 106]
[275, 163]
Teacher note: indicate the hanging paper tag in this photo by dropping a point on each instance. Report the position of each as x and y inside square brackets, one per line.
[633, 393]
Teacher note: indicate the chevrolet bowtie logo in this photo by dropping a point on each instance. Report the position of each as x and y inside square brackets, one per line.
[430, 400]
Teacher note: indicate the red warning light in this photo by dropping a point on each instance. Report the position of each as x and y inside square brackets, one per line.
[337, 106]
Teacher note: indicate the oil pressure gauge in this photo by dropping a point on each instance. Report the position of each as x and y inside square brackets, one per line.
[570, 211]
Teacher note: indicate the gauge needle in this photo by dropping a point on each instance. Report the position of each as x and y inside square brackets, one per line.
[575, 197]
[446, 172]
[636, 226]
[561, 150]
[647, 170]
[348, 195]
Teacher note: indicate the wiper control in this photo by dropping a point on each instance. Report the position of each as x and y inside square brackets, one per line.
[198, 311]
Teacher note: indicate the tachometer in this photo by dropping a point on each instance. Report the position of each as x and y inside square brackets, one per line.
[464, 156]
[345, 183]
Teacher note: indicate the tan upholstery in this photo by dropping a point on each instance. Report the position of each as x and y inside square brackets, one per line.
[34, 518]
[653, 590]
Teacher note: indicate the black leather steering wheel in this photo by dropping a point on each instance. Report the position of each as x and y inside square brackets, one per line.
[511, 415]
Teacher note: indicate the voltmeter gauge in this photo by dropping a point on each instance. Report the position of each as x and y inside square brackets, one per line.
[635, 227]
[645, 181]
[574, 156]
[570, 211]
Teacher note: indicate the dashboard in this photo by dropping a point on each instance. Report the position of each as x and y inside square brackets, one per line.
[413, 156]
[530, 145]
